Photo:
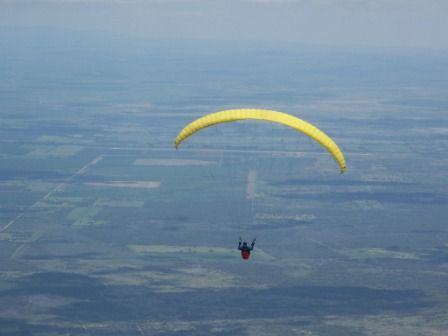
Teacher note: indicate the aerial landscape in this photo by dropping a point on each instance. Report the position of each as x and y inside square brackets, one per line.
[107, 229]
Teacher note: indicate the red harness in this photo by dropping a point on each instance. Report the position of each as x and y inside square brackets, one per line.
[245, 255]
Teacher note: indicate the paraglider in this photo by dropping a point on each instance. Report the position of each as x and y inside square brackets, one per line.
[232, 115]
[267, 115]
[245, 249]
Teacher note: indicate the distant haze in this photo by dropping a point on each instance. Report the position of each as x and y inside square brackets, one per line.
[379, 23]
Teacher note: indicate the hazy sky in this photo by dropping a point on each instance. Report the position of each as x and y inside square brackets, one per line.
[409, 23]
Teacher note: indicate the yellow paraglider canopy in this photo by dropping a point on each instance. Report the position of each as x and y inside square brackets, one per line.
[268, 115]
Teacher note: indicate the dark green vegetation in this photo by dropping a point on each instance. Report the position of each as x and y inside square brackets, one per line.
[105, 229]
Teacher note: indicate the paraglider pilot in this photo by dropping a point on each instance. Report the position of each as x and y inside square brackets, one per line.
[245, 249]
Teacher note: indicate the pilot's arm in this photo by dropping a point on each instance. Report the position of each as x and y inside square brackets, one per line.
[252, 245]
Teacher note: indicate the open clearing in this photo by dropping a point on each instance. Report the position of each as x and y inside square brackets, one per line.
[375, 253]
[85, 216]
[119, 203]
[250, 189]
[172, 162]
[44, 151]
[126, 184]
[200, 251]
[180, 280]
